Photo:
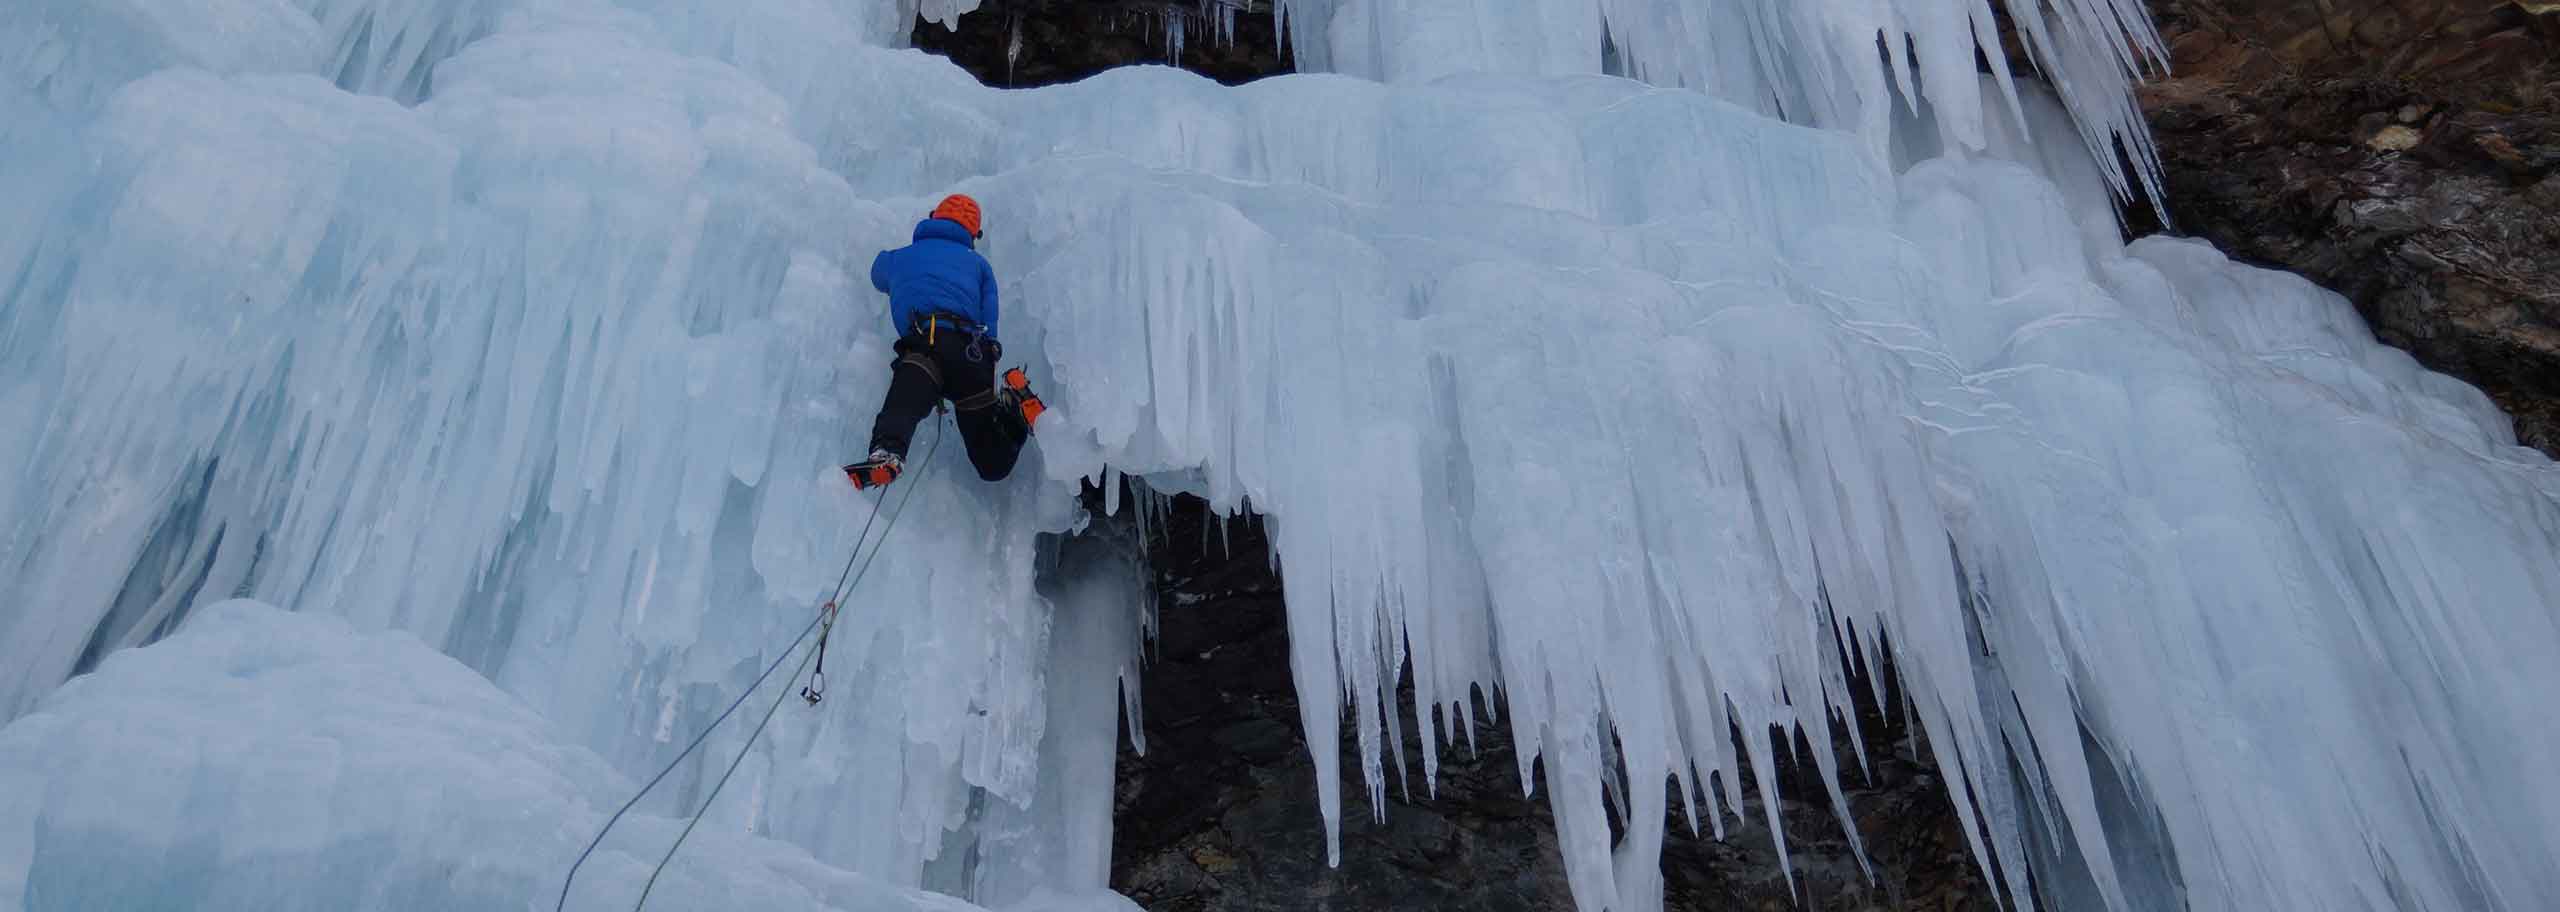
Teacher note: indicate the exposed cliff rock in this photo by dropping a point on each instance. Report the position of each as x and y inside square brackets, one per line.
[2403, 152]
[1220, 814]
[1040, 42]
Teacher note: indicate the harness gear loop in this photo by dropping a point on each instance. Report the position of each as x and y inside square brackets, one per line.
[977, 350]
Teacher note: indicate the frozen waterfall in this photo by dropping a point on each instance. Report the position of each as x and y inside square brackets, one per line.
[1643, 410]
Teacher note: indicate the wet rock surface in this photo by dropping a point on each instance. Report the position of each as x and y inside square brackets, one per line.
[2405, 153]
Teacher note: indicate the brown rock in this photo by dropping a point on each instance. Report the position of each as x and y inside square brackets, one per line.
[2402, 152]
[2545, 194]
[1213, 861]
[2394, 138]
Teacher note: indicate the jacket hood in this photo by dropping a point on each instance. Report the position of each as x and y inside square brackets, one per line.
[944, 230]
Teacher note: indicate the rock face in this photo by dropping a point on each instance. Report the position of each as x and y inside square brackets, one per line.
[2403, 152]
[1220, 813]
[1039, 42]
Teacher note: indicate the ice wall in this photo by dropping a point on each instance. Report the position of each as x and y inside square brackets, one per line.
[550, 368]
[266, 760]
[1617, 405]
[1849, 64]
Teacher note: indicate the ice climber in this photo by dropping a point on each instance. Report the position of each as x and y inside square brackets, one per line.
[942, 301]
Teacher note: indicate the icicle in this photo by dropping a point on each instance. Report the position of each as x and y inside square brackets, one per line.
[2182, 571]
[1813, 62]
[1012, 46]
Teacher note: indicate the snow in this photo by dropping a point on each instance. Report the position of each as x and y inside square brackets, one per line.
[536, 330]
[268, 760]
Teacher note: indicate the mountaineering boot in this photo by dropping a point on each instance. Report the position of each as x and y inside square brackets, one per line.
[1019, 401]
[882, 468]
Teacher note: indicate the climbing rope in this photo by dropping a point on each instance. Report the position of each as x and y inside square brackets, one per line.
[823, 625]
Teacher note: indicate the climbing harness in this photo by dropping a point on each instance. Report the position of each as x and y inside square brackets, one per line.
[977, 352]
[822, 625]
[923, 361]
[985, 399]
[981, 350]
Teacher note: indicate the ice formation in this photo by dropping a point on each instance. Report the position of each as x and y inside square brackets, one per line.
[534, 328]
[256, 758]
[1811, 62]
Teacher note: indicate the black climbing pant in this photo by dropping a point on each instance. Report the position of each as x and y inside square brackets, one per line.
[955, 365]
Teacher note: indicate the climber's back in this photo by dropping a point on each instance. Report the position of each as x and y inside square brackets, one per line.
[940, 272]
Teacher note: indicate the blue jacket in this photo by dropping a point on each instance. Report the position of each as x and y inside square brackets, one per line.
[941, 272]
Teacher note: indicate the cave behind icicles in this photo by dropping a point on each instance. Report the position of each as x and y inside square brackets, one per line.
[1026, 43]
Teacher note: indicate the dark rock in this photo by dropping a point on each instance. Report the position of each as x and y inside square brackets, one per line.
[2400, 152]
[1022, 43]
[1220, 813]
[1257, 740]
